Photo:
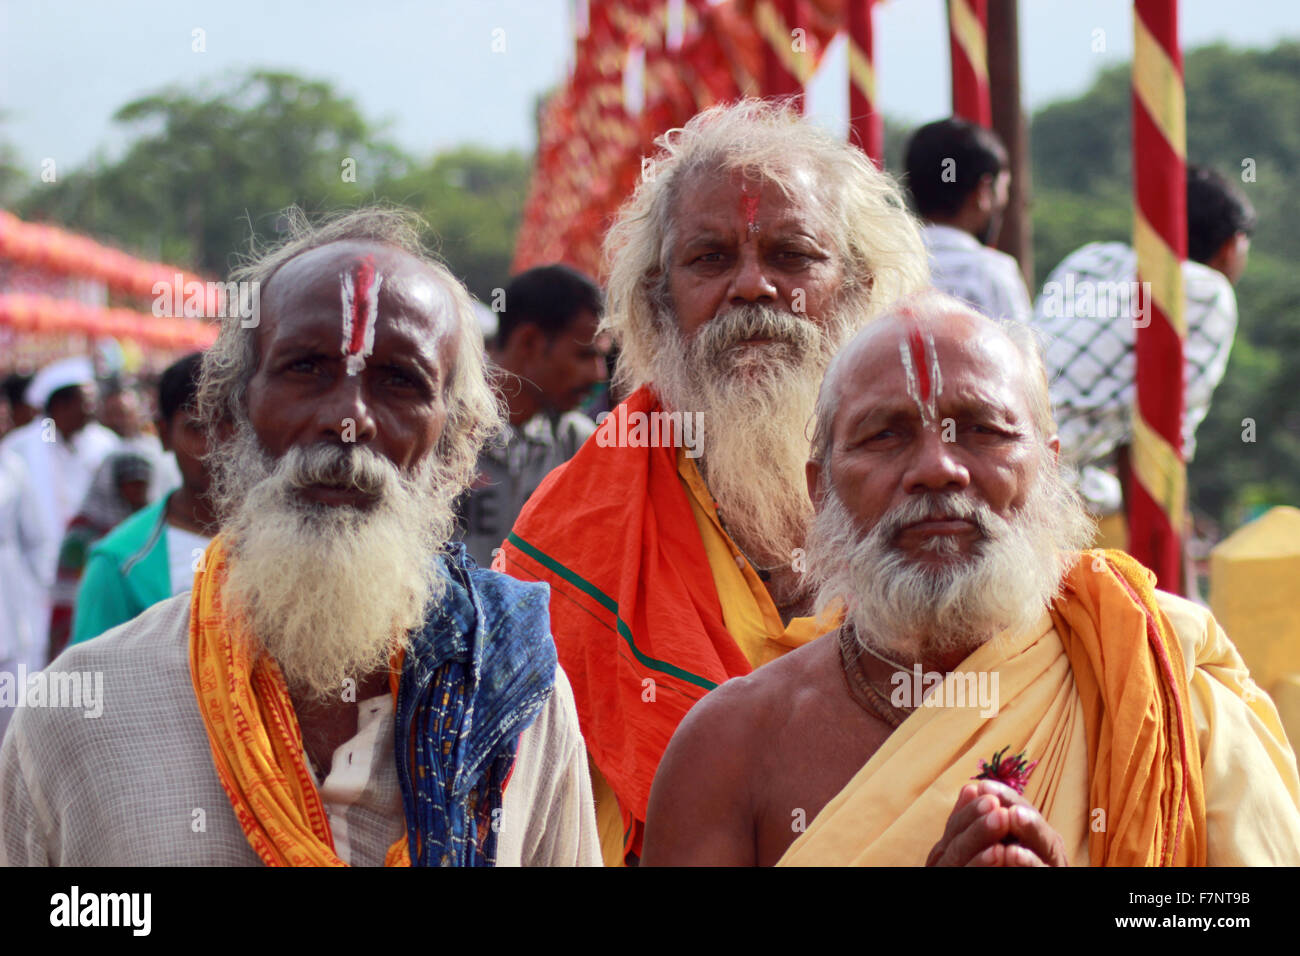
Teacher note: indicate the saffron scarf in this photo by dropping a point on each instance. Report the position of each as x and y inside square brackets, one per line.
[636, 616]
[1131, 678]
[459, 713]
[1104, 644]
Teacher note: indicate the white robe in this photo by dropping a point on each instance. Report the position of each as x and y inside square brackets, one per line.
[134, 784]
[58, 475]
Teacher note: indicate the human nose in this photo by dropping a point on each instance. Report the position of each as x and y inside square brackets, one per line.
[344, 415]
[750, 283]
[936, 464]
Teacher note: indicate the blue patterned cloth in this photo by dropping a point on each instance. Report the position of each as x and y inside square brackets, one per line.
[473, 680]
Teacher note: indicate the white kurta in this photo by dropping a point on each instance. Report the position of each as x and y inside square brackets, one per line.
[136, 786]
[20, 594]
[58, 473]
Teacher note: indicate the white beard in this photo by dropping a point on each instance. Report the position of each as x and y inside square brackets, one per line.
[329, 592]
[914, 611]
[756, 402]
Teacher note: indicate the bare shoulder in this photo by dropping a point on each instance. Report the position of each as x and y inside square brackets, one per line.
[749, 708]
[702, 806]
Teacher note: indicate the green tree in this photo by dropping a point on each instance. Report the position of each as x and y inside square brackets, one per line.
[474, 199]
[206, 170]
[202, 167]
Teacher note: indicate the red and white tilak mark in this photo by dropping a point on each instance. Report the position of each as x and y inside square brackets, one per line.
[749, 206]
[360, 290]
[921, 365]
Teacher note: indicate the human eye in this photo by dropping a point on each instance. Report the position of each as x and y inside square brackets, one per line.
[878, 437]
[303, 365]
[399, 378]
[794, 256]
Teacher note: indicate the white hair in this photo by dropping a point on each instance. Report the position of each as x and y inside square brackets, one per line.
[877, 240]
[896, 605]
[331, 592]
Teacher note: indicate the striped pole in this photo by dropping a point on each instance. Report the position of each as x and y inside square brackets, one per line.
[865, 126]
[785, 58]
[1157, 497]
[968, 39]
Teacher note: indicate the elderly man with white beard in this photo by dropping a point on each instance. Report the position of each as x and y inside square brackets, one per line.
[341, 686]
[755, 245]
[1123, 728]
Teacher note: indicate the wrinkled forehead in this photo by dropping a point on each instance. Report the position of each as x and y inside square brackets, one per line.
[715, 195]
[930, 366]
[405, 283]
[357, 297]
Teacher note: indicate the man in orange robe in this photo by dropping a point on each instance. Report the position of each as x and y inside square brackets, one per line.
[1109, 723]
[672, 541]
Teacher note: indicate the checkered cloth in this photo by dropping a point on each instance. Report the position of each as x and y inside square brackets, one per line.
[1089, 348]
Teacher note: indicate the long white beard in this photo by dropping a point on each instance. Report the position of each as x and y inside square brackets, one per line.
[329, 592]
[756, 402]
[901, 607]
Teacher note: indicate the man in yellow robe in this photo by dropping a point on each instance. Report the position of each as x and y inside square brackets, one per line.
[1109, 723]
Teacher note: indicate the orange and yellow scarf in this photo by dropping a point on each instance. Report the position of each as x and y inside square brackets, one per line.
[256, 741]
[1104, 672]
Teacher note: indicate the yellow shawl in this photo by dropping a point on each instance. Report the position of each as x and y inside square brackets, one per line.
[1104, 673]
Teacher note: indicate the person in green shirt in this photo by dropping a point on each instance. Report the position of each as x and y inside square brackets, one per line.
[153, 554]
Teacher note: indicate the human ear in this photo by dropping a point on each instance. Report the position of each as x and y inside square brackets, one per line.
[812, 471]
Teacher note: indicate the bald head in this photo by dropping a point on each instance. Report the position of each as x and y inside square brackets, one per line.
[910, 337]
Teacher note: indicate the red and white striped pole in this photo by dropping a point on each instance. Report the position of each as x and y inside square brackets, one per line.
[865, 126]
[968, 39]
[1157, 494]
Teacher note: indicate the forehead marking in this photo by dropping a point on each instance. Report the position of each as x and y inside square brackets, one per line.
[360, 292]
[921, 366]
[749, 207]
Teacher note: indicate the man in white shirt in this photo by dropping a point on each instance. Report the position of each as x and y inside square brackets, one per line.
[342, 686]
[958, 175]
[60, 451]
[1088, 311]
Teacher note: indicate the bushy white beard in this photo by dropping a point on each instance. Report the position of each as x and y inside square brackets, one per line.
[898, 606]
[756, 401]
[329, 592]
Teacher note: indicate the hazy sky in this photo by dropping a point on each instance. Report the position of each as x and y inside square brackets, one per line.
[428, 67]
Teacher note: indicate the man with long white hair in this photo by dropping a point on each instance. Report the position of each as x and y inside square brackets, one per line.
[341, 686]
[994, 695]
[756, 243]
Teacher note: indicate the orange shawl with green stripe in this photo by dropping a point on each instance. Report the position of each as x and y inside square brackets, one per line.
[634, 609]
